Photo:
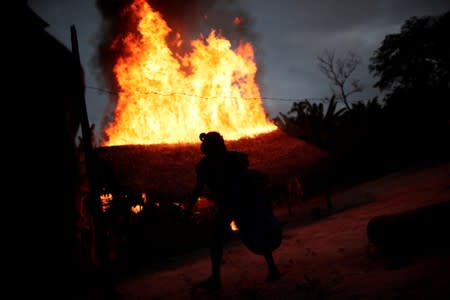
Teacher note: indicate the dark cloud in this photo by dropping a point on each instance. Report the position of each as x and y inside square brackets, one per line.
[318, 16]
[293, 33]
[288, 35]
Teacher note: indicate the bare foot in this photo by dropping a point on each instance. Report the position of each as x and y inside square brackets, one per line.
[273, 276]
[210, 284]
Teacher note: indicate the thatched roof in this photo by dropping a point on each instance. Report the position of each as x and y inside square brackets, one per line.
[167, 171]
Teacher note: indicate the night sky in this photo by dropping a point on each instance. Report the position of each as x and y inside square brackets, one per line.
[288, 35]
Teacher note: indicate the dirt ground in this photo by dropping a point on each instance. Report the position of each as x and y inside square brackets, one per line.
[325, 257]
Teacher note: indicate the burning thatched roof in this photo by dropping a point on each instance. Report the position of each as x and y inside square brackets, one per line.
[167, 171]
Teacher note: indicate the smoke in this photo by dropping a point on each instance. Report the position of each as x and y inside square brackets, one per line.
[190, 18]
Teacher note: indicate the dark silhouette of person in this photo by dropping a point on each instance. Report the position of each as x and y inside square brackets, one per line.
[225, 177]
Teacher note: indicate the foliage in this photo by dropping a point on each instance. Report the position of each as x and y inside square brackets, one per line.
[361, 131]
[311, 121]
[413, 123]
[353, 137]
[418, 56]
[414, 67]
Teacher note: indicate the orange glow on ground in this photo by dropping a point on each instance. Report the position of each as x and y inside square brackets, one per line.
[169, 98]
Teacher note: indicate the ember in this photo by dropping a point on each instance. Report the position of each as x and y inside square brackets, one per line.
[234, 226]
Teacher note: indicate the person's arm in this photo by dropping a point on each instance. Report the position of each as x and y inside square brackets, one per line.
[196, 192]
[198, 188]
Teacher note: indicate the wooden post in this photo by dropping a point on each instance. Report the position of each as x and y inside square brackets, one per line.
[94, 200]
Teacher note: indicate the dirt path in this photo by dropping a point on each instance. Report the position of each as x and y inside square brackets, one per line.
[329, 258]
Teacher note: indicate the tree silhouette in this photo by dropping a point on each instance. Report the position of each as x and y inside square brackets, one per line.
[418, 56]
[339, 71]
[413, 67]
[311, 121]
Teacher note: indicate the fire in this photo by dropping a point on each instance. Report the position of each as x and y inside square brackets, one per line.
[237, 20]
[167, 97]
[234, 226]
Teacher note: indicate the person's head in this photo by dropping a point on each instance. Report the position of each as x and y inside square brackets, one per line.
[212, 143]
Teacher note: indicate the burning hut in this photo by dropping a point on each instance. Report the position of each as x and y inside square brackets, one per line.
[168, 95]
[166, 172]
[147, 185]
[170, 91]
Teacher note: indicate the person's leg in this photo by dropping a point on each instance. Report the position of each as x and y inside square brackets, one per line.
[273, 271]
[216, 253]
[217, 236]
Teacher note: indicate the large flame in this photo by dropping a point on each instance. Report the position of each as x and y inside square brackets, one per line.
[168, 98]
